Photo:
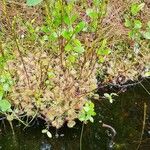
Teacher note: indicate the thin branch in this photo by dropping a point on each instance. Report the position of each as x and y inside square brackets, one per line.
[143, 127]
[15, 40]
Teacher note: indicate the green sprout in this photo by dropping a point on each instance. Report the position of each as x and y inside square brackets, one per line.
[110, 96]
[87, 112]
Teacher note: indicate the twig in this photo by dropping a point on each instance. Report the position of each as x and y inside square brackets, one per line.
[143, 127]
[144, 88]
[1, 49]
[81, 136]
[15, 40]
[111, 128]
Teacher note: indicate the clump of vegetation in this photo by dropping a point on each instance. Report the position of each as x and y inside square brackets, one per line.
[51, 60]
[130, 44]
[55, 78]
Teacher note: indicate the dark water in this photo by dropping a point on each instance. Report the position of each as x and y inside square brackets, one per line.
[125, 115]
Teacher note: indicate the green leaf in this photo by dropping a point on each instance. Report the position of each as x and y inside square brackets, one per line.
[82, 116]
[114, 94]
[73, 18]
[127, 23]
[79, 27]
[66, 34]
[146, 35]
[91, 119]
[79, 49]
[147, 74]
[68, 47]
[71, 58]
[86, 108]
[2, 79]
[66, 19]
[69, 20]
[6, 87]
[45, 29]
[107, 95]
[1, 95]
[101, 60]
[137, 24]
[111, 100]
[33, 2]
[53, 36]
[97, 2]
[51, 74]
[45, 37]
[132, 34]
[91, 13]
[135, 8]
[57, 21]
[103, 52]
[5, 105]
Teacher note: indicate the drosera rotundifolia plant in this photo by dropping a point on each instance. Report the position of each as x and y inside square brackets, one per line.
[52, 55]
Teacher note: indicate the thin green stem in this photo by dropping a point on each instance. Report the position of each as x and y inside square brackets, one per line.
[19, 119]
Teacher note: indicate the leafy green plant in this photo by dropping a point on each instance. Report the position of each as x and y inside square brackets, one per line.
[136, 27]
[5, 86]
[87, 112]
[133, 23]
[6, 81]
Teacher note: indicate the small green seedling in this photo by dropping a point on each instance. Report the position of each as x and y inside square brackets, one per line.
[110, 96]
[87, 112]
